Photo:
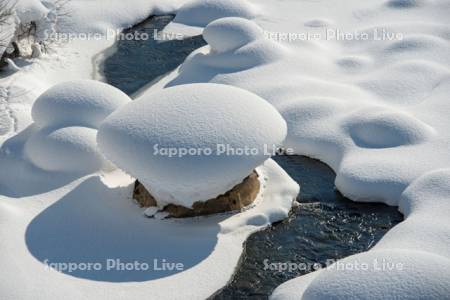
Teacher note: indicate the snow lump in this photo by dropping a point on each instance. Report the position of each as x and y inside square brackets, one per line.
[79, 102]
[66, 117]
[231, 33]
[192, 142]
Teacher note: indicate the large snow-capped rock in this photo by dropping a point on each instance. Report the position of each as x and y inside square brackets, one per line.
[202, 12]
[78, 102]
[66, 117]
[149, 138]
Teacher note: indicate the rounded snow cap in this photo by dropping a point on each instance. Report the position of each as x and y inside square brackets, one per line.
[201, 12]
[192, 142]
[77, 103]
[231, 33]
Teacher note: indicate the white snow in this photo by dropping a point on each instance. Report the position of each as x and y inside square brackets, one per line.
[139, 138]
[236, 44]
[227, 34]
[79, 102]
[68, 149]
[387, 274]
[66, 117]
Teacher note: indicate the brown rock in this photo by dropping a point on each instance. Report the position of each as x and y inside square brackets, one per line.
[237, 198]
[142, 196]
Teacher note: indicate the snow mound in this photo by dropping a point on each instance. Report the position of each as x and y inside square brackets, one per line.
[30, 10]
[66, 117]
[428, 195]
[69, 149]
[231, 33]
[201, 12]
[234, 44]
[384, 274]
[213, 123]
[77, 103]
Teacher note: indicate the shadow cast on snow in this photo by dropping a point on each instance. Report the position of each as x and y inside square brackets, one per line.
[96, 224]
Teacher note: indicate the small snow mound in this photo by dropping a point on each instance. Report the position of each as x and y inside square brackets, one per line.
[383, 275]
[231, 33]
[429, 194]
[202, 12]
[77, 103]
[70, 149]
[202, 126]
[256, 53]
[404, 3]
[372, 128]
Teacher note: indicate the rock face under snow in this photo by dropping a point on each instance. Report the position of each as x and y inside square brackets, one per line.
[66, 117]
[79, 102]
[193, 142]
[202, 12]
[237, 198]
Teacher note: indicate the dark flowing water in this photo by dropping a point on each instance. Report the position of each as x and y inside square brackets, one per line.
[135, 63]
[324, 227]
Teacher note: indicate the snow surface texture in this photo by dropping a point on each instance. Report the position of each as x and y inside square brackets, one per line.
[67, 116]
[375, 110]
[192, 118]
[88, 221]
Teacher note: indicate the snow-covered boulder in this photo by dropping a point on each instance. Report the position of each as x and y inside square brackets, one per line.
[66, 117]
[231, 33]
[192, 142]
[77, 103]
[201, 12]
[69, 149]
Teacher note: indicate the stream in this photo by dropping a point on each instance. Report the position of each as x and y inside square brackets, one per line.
[325, 225]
